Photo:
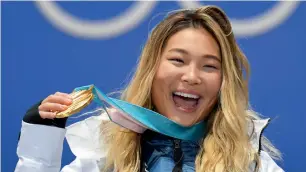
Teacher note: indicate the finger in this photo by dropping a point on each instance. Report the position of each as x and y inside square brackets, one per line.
[58, 99]
[47, 115]
[64, 94]
[47, 107]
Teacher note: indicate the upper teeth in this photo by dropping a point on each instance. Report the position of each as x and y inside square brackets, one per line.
[187, 95]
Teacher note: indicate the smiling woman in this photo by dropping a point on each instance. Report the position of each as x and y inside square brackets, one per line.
[191, 71]
[188, 76]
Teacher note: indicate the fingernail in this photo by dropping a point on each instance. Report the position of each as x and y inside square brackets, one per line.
[63, 107]
[69, 100]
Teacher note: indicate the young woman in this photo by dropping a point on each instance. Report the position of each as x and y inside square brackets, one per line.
[191, 70]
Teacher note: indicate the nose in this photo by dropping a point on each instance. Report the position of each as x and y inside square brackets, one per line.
[191, 76]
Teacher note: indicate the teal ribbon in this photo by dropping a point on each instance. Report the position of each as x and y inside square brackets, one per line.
[149, 118]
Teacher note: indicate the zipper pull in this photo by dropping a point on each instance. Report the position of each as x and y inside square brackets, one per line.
[177, 143]
[177, 155]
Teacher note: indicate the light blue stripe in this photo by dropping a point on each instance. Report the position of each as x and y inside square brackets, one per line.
[151, 119]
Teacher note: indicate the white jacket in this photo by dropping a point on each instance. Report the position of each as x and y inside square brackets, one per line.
[40, 147]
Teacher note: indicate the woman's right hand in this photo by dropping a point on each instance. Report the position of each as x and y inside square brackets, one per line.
[54, 103]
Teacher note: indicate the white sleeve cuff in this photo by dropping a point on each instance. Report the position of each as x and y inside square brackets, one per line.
[40, 144]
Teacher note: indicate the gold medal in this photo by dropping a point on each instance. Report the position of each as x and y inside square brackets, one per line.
[80, 99]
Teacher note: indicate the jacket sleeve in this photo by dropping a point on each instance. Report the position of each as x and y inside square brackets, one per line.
[40, 142]
[268, 164]
[39, 148]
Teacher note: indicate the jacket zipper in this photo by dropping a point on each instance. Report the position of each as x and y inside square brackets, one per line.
[177, 156]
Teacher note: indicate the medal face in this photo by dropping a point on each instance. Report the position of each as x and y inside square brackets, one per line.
[80, 99]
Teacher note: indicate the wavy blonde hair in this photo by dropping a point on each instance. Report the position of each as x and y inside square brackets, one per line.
[227, 144]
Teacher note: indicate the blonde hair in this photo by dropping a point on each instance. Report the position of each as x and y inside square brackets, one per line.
[227, 144]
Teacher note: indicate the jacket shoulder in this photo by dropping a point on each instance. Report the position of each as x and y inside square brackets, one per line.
[256, 128]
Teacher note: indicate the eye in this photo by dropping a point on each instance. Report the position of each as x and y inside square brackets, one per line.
[210, 66]
[177, 60]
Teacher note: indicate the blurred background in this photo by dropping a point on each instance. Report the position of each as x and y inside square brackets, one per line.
[57, 46]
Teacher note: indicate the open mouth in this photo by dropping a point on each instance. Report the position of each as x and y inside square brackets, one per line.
[186, 102]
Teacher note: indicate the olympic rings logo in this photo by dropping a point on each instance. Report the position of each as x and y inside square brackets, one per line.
[135, 14]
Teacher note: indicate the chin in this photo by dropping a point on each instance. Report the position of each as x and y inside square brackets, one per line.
[183, 121]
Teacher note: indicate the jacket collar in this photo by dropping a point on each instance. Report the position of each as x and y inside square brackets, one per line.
[255, 131]
[84, 137]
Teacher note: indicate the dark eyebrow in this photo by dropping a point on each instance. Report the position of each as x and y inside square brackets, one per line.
[182, 51]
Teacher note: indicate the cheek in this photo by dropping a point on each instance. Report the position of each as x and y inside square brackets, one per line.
[162, 84]
[159, 84]
[165, 75]
[213, 85]
[212, 88]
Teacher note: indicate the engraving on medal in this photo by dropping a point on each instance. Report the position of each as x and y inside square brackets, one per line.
[80, 99]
